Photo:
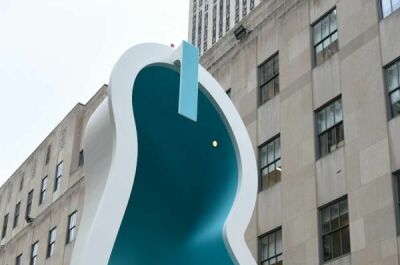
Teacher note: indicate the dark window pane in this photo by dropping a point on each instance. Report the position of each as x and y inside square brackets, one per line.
[392, 77]
[319, 56]
[334, 43]
[271, 244]
[345, 240]
[317, 33]
[395, 102]
[271, 175]
[332, 21]
[323, 144]
[325, 219]
[325, 27]
[327, 248]
[344, 216]
[336, 245]
[335, 216]
[321, 119]
[264, 248]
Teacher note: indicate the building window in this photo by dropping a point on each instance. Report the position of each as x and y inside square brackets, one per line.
[330, 127]
[29, 205]
[81, 158]
[244, 8]
[71, 232]
[271, 248]
[200, 3]
[237, 18]
[52, 242]
[205, 38]
[43, 190]
[5, 224]
[389, 6]
[194, 6]
[325, 37]
[18, 259]
[16, 214]
[228, 15]
[214, 25]
[270, 163]
[21, 184]
[335, 230]
[34, 253]
[199, 26]
[59, 171]
[269, 78]
[251, 4]
[221, 18]
[194, 30]
[48, 153]
[392, 76]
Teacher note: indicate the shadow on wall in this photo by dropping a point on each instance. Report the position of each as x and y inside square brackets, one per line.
[186, 180]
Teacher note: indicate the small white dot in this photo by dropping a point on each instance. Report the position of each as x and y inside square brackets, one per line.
[214, 143]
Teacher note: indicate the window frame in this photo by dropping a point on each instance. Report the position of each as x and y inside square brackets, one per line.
[57, 179]
[333, 231]
[274, 162]
[34, 253]
[386, 82]
[261, 261]
[17, 213]
[51, 242]
[274, 76]
[382, 15]
[72, 228]
[29, 203]
[43, 190]
[314, 45]
[5, 226]
[18, 259]
[328, 130]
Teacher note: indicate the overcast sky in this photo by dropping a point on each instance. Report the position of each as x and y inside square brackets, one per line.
[55, 53]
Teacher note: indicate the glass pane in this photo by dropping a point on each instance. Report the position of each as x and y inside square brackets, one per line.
[278, 242]
[334, 43]
[325, 27]
[270, 69]
[264, 178]
[263, 74]
[271, 244]
[276, 85]
[345, 240]
[317, 33]
[327, 48]
[330, 119]
[338, 111]
[319, 55]
[263, 156]
[395, 4]
[321, 121]
[395, 99]
[271, 151]
[386, 8]
[336, 245]
[392, 77]
[334, 216]
[323, 144]
[325, 221]
[270, 90]
[271, 175]
[332, 21]
[276, 64]
[327, 248]
[264, 248]
[277, 147]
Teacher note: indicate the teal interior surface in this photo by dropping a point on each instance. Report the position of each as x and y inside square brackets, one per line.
[184, 187]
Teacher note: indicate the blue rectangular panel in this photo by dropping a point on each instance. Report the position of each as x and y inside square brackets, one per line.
[189, 88]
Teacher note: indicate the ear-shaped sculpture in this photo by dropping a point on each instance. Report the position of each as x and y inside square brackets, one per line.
[162, 188]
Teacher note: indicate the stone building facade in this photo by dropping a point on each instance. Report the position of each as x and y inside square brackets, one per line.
[40, 204]
[317, 85]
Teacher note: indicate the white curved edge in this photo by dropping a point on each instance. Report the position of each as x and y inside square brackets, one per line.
[105, 204]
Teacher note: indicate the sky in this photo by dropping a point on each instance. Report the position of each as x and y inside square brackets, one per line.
[56, 53]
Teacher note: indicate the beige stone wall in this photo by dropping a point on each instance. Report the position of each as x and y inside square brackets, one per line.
[66, 143]
[363, 168]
